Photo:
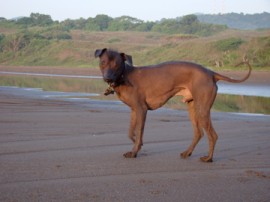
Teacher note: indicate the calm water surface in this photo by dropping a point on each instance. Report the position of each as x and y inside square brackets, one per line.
[223, 88]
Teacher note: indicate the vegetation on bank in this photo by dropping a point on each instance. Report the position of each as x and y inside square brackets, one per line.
[39, 41]
[231, 103]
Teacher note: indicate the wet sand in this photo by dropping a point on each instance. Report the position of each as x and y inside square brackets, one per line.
[58, 150]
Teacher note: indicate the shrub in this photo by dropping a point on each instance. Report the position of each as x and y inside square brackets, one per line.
[229, 44]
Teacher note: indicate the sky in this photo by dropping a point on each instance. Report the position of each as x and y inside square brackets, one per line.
[147, 10]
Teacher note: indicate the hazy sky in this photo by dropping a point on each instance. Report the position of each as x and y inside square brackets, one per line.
[148, 10]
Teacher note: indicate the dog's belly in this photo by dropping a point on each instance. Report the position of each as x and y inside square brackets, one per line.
[187, 96]
[155, 103]
[157, 100]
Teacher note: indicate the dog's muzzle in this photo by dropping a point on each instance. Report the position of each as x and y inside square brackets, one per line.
[109, 76]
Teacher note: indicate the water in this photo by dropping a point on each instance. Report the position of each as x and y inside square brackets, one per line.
[223, 88]
[83, 99]
[50, 75]
[40, 93]
[241, 89]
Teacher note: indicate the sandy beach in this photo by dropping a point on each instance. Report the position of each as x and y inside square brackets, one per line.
[55, 149]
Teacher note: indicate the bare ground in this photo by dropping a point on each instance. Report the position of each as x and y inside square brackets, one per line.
[55, 150]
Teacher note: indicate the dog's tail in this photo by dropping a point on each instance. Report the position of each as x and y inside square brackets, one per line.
[218, 77]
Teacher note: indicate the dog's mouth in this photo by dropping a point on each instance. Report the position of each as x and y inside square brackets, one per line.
[113, 78]
[109, 76]
[109, 81]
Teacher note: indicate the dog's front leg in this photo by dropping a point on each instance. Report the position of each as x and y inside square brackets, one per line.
[138, 117]
[132, 126]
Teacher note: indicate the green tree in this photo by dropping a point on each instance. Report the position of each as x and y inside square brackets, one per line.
[80, 23]
[189, 20]
[14, 42]
[91, 25]
[36, 19]
[190, 24]
[25, 21]
[102, 21]
[2, 37]
[144, 26]
[68, 24]
[41, 19]
[169, 26]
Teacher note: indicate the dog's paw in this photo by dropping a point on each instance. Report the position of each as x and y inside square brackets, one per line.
[185, 154]
[206, 159]
[130, 155]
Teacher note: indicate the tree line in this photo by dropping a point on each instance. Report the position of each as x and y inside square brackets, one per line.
[239, 21]
[188, 24]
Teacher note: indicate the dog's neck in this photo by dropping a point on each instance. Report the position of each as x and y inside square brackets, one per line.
[122, 78]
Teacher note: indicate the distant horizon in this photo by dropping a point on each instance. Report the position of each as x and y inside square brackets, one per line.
[150, 10]
[18, 17]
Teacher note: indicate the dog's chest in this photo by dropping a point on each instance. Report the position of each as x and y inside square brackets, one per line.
[125, 95]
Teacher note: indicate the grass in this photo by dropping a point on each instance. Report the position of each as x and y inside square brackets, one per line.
[228, 48]
[236, 103]
[229, 44]
[231, 103]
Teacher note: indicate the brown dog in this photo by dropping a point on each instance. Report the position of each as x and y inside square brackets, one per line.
[150, 87]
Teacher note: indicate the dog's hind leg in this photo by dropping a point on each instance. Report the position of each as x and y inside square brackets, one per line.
[198, 132]
[212, 138]
[203, 109]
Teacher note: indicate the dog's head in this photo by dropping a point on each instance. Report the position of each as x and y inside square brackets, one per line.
[112, 64]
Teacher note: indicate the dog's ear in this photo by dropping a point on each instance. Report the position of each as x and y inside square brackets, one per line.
[127, 58]
[99, 52]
